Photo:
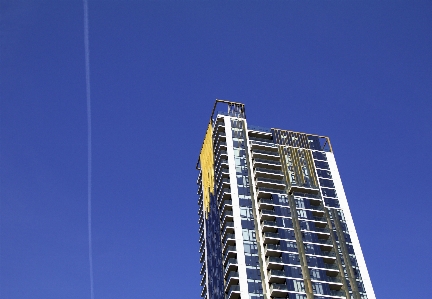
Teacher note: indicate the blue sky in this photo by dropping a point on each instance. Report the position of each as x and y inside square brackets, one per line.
[357, 71]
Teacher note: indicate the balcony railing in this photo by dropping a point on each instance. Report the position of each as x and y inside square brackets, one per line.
[233, 292]
[310, 207]
[259, 140]
[269, 223]
[221, 144]
[265, 161]
[228, 228]
[326, 266]
[257, 128]
[265, 201]
[226, 204]
[318, 229]
[277, 286]
[232, 274]
[268, 153]
[334, 279]
[227, 215]
[273, 247]
[203, 280]
[278, 290]
[270, 190]
[266, 180]
[229, 237]
[204, 291]
[337, 293]
[276, 273]
[319, 241]
[274, 259]
[272, 235]
[231, 265]
[279, 172]
[326, 253]
[225, 193]
[231, 250]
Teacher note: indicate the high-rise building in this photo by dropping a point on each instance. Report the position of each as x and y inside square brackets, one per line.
[274, 220]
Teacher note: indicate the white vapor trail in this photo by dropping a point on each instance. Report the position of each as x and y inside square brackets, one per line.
[89, 143]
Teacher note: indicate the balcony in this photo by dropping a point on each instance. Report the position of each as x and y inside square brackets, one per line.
[227, 216]
[266, 163]
[230, 252]
[323, 231]
[326, 266]
[274, 263]
[265, 203]
[202, 245]
[266, 172]
[271, 238]
[338, 293]
[202, 256]
[221, 135]
[223, 154]
[270, 183]
[263, 154]
[315, 218]
[256, 130]
[326, 253]
[319, 241]
[319, 219]
[231, 265]
[221, 145]
[226, 205]
[203, 280]
[225, 182]
[262, 142]
[228, 228]
[276, 276]
[232, 279]
[266, 192]
[219, 125]
[303, 189]
[233, 292]
[278, 290]
[334, 279]
[224, 172]
[269, 226]
[221, 164]
[204, 291]
[267, 215]
[201, 238]
[201, 227]
[203, 267]
[224, 193]
[229, 239]
[301, 205]
[272, 250]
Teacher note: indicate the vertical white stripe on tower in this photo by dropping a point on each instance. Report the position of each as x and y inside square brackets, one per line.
[236, 211]
[258, 228]
[350, 223]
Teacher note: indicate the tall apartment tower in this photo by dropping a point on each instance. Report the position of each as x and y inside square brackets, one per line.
[274, 221]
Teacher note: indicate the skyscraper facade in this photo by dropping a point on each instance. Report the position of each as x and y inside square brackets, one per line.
[274, 220]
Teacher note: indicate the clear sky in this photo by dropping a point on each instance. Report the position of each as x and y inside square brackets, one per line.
[357, 71]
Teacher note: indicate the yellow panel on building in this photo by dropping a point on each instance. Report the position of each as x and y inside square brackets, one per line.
[207, 168]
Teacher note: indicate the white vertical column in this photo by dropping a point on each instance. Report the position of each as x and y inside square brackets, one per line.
[259, 237]
[350, 224]
[236, 211]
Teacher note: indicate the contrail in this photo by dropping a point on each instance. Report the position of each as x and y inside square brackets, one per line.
[89, 143]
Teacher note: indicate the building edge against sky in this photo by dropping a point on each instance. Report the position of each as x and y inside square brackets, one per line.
[274, 221]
